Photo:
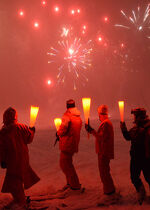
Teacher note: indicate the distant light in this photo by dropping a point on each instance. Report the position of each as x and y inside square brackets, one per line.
[140, 28]
[71, 51]
[36, 24]
[78, 10]
[72, 12]
[49, 82]
[106, 19]
[43, 3]
[56, 9]
[100, 39]
[21, 13]
[83, 32]
[84, 27]
[122, 45]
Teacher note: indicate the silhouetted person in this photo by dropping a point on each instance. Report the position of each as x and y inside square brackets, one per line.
[69, 137]
[14, 156]
[105, 150]
[139, 135]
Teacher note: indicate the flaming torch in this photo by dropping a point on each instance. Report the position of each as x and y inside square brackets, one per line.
[33, 115]
[57, 122]
[121, 110]
[86, 102]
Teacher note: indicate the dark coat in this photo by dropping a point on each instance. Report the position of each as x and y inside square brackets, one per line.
[105, 139]
[14, 152]
[139, 135]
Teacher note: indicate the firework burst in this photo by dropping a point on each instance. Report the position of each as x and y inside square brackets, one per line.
[73, 58]
[138, 20]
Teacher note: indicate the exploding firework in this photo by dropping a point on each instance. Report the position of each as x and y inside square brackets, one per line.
[73, 58]
[138, 20]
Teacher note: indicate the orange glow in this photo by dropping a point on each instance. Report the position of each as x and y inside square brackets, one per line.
[72, 12]
[121, 109]
[21, 13]
[36, 24]
[56, 9]
[100, 39]
[44, 2]
[106, 19]
[86, 102]
[49, 82]
[33, 115]
[57, 122]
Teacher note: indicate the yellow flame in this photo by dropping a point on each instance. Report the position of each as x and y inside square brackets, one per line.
[86, 102]
[121, 109]
[33, 115]
[57, 122]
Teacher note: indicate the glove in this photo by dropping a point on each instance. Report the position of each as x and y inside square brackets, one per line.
[3, 165]
[123, 126]
[57, 135]
[32, 129]
[57, 139]
[88, 128]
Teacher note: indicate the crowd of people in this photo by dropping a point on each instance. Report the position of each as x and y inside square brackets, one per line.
[14, 156]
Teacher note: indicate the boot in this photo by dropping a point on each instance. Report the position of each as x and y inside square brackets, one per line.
[141, 194]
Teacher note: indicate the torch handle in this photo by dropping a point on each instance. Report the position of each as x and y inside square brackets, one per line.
[88, 124]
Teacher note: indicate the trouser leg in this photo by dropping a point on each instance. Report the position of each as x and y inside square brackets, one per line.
[135, 171]
[146, 170]
[68, 169]
[106, 178]
[18, 193]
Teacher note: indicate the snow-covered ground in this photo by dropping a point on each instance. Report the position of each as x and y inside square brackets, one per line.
[44, 159]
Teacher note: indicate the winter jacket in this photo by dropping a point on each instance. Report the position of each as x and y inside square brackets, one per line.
[69, 131]
[105, 139]
[14, 139]
[139, 135]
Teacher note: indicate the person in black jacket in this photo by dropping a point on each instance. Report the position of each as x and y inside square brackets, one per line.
[139, 135]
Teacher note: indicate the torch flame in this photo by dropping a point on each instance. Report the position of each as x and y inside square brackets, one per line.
[33, 115]
[121, 109]
[57, 122]
[86, 108]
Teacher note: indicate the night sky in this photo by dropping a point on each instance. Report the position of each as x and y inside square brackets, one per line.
[24, 68]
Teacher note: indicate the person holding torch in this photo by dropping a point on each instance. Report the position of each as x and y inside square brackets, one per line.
[69, 137]
[105, 151]
[139, 135]
[14, 157]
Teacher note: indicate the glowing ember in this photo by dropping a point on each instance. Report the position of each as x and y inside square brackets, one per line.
[36, 24]
[49, 82]
[56, 9]
[21, 13]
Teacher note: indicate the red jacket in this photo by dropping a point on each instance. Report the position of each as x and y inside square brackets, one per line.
[69, 131]
[14, 152]
[105, 139]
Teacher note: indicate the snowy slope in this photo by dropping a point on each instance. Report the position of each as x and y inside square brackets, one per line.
[44, 159]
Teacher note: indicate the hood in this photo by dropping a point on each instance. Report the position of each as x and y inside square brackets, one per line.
[74, 111]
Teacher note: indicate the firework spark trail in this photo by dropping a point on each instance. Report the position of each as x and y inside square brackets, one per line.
[139, 20]
[72, 57]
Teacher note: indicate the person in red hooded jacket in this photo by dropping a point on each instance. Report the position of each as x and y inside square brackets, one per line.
[105, 149]
[69, 137]
[14, 156]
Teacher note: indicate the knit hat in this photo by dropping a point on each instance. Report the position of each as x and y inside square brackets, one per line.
[9, 116]
[70, 103]
[103, 110]
[139, 112]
